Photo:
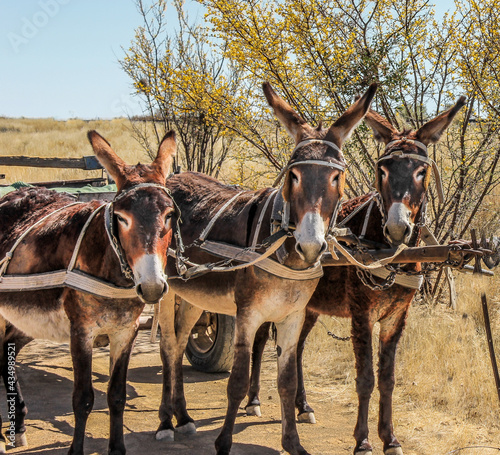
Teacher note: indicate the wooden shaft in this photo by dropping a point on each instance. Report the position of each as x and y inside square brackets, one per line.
[30, 161]
[490, 343]
[430, 253]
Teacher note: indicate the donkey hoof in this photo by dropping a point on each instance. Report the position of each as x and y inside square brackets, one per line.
[21, 440]
[393, 451]
[253, 410]
[165, 435]
[187, 428]
[364, 452]
[3, 448]
[306, 417]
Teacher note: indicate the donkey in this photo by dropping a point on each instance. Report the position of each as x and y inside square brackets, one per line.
[402, 179]
[313, 185]
[129, 254]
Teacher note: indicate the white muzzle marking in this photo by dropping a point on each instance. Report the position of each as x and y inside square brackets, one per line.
[150, 279]
[310, 237]
[398, 227]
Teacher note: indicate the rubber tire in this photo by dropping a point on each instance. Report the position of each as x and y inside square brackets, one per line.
[219, 358]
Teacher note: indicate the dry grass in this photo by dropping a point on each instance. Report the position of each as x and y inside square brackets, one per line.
[52, 138]
[445, 395]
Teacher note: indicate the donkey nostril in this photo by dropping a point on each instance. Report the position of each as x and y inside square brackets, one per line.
[165, 289]
[323, 248]
[298, 248]
[407, 231]
[138, 289]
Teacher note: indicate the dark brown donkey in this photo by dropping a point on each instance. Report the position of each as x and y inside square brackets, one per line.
[402, 181]
[313, 184]
[140, 224]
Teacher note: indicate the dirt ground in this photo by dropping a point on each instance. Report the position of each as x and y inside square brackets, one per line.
[45, 373]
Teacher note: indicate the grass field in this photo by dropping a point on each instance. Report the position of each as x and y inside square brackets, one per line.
[444, 380]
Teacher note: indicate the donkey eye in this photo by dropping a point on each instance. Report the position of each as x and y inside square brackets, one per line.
[421, 174]
[294, 176]
[121, 219]
[335, 180]
[383, 174]
[169, 216]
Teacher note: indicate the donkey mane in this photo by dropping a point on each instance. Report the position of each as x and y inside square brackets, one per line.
[351, 204]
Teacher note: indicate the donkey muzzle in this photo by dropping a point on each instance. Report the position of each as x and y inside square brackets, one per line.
[150, 281]
[398, 227]
[310, 237]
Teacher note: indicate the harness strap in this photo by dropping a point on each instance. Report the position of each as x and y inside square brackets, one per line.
[409, 141]
[221, 248]
[318, 162]
[261, 218]
[8, 256]
[352, 260]
[249, 258]
[108, 224]
[78, 280]
[80, 238]
[210, 225]
[367, 218]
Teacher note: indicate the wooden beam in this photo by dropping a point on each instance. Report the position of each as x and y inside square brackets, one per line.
[433, 253]
[85, 162]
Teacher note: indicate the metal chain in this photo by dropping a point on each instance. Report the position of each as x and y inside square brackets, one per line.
[335, 337]
[368, 280]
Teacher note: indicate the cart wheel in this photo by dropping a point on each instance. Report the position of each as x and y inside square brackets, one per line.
[210, 347]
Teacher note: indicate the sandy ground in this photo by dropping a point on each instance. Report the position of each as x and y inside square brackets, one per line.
[45, 373]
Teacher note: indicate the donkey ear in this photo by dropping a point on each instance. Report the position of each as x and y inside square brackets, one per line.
[432, 130]
[383, 131]
[351, 118]
[113, 164]
[166, 153]
[293, 122]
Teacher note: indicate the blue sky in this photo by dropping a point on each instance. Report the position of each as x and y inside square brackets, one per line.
[59, 58]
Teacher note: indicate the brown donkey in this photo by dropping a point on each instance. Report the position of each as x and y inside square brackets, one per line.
[403, 174]
[313, 185]
[123, 246]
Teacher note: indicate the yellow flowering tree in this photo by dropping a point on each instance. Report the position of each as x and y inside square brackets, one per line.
[319, 55]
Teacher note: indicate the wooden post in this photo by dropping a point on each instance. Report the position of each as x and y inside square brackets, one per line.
[490, 343]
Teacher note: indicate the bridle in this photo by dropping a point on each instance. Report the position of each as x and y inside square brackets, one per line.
[398, 152]
[284, 211]
[395, 151]
[111, 230]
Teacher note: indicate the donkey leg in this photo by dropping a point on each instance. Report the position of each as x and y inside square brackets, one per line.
[174, 336]
[237, 387]
[305, 412]
[365, 380]
[253, 406]
[121, 344]
[83, 393]
[186, 317]
[390, 333]
[287, 336]
[167, 353]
